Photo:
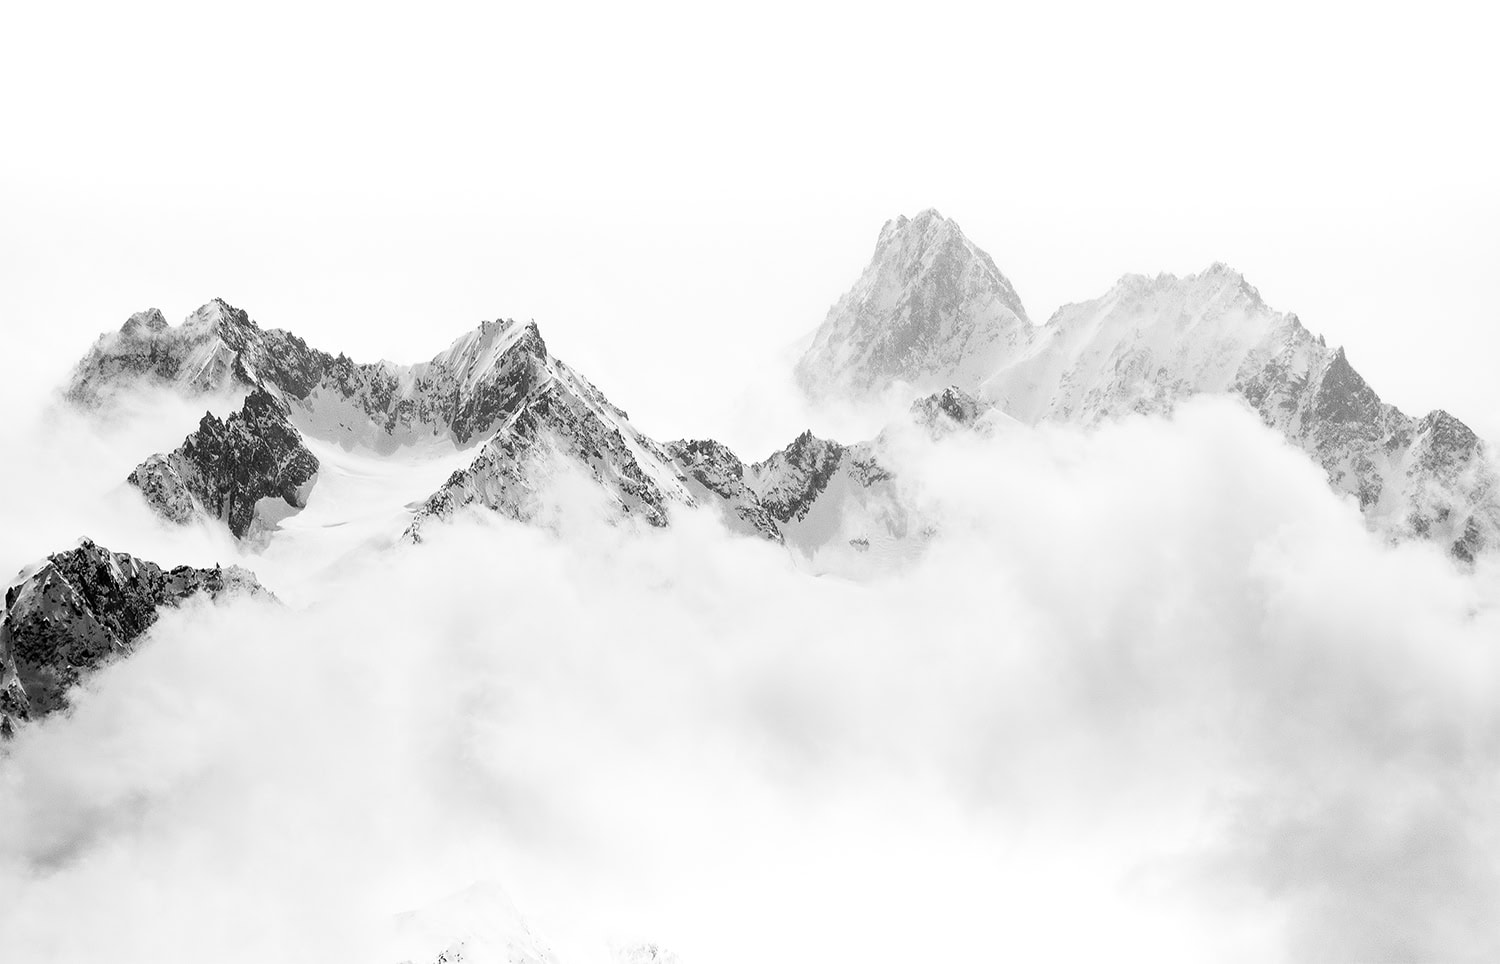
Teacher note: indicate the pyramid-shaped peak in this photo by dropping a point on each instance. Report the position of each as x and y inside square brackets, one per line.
[477, 354]
[931, 309]
[929, 247]
[233, 325]
[215, 308]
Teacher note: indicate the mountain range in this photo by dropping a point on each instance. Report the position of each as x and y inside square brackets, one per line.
[931, 321]
[931, 310]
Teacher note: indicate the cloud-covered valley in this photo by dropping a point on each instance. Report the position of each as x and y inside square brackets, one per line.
[1150, 691]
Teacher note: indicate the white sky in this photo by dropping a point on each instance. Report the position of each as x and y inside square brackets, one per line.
[676, 193]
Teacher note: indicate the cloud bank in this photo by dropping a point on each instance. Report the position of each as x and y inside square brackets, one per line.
[1152, 692]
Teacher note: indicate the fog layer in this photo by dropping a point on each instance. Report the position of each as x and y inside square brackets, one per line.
[1152, 692]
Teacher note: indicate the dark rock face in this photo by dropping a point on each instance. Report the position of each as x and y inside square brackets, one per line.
[466, 390]
[565, 424]
[146, 348]
[715, 466]
[497, 382]
[1427, 478]
[227, 466]
[790, 481]
[79, 609]
[1345, 408]
[953, 402]
[947, 411]
[543, 425]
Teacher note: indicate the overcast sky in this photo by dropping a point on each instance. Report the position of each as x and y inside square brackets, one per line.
[675, 194]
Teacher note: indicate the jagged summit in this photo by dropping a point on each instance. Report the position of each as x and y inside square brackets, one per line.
[144, 323]
[531, 419]
[928, 224]
[715, 468]
[931, 314]
[71, 613]
[952, 410]
[459, 394]
[1150, 342]
[247, 470]
[930, 310]
[1143, 346]
[1217, 280]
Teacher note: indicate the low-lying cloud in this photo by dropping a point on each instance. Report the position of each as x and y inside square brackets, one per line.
[1152, 692]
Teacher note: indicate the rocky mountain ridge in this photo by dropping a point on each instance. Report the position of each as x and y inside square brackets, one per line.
[458, 395]
[226, 468]
[532, 419]
[1145, 345]
[929, 313]
[73, 612]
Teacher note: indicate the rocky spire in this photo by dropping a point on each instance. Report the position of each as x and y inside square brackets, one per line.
[931, 310]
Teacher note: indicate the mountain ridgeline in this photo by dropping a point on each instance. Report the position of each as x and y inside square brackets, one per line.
[931, 310]
[931, 317]
[525, 414]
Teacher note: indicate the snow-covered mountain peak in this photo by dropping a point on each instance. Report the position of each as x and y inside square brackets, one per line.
[1218, 283]
[69, 614]
[930, 310]
[145, 323]
[474, 356]
[232, 324]
[1145, 343]
[928, 227]
[1150, 342]
[197, 355]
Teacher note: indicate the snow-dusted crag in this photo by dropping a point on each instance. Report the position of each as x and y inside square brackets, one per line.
[195, 355]
[74, 611]
[713, 471]
[931, 310]
[247, 469]
[1151, 342]
[538, 428]
[458, 395]
[830, 499]
[954, 410]
[535, 423]
[564, 426]
[496, 387]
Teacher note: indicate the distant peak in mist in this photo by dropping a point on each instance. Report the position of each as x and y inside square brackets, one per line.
[930, 310]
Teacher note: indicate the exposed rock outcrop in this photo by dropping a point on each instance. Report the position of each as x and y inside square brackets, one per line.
[74, 611]
[715, 467]
[226, 468]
